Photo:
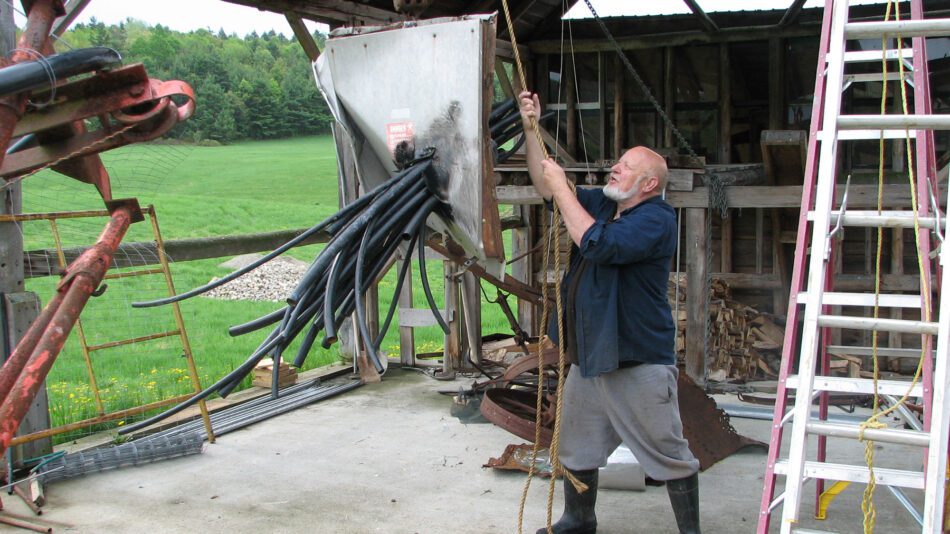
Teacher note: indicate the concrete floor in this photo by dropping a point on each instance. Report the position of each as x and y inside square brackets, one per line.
[390, 458]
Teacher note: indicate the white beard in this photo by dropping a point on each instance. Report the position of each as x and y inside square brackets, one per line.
[614, 193]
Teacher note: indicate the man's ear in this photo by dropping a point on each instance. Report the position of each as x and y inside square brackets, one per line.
[651, 184]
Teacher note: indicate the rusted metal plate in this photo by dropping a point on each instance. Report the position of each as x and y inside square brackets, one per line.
[710, 435]
[514, 410]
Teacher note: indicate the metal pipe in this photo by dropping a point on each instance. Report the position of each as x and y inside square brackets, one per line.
[30, 75]
[34, 38]
[81, 280]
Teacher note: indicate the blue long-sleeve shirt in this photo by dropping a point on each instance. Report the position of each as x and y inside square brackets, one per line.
[621, 311]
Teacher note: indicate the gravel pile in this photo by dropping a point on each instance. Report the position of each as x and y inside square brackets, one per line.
[272, 281]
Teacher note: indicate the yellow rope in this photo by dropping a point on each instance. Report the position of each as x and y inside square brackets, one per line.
[556, 467]
[874, 421]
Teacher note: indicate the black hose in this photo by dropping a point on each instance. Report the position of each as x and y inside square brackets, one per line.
[345, 212]
[424, 277]
[358, 291]
[242, 370]
[501, 109]
[257, 324]
[328, 303]
[354, 229]
[401, 278]
[45, 72]
[503, 155]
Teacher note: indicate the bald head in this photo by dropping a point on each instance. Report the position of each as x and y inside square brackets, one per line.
[649, 163]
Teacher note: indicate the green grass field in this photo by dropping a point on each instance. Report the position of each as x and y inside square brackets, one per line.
[197, 192]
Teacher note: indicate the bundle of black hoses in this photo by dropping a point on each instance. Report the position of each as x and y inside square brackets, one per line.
[504, 124]
[363, 238]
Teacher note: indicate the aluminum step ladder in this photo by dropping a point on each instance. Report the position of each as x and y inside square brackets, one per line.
[821, 217]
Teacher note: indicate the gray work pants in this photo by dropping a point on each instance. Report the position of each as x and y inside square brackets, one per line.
[637, 406]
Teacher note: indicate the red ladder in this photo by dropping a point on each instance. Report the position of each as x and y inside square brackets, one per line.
[815, 305]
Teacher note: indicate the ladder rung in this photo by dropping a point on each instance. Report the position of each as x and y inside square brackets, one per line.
[884, 435]
[811, 531]
[886, 300]
[869, 122]
[111, 344]
[871, 135]
[129, 274]
[864, 386]
[875, 55]
[874, 76]
[904, 28]
[857, 473]
[887, 352]
[883, 325]
[884, 219]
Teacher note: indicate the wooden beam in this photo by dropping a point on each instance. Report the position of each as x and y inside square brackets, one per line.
[522, 8]
[503, 78]
[303, 36]
[791, 14]
[696, 294]
[725, 243]
[776, 83]
[750, 196]
[640, 42]
[327, 11]
[708, 24]
[668, 91]
[725, 105]
[619, 124]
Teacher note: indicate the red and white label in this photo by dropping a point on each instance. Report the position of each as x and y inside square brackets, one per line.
[397, 132]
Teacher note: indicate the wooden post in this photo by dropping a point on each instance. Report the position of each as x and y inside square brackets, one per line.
[725, 241]
[725, 105]
[696, 294]
[523, 269]
[668, 96]
[472, 312]
[570, 99]
[776, 83]
[619, 125]
[452, 352]
[602, 103]
[407, 342]
[18, 309]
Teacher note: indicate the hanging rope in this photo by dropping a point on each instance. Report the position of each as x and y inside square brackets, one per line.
[874, 421]
[551, 234]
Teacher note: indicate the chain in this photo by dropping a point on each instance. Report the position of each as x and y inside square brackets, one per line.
[643, 86]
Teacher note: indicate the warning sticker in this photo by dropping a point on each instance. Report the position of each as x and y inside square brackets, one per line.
[397, 132]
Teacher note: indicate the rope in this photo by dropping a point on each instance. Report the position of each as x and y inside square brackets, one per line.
[874, 421]
[551, 234]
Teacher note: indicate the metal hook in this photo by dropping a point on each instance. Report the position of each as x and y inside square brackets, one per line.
[938, 231]
[844, 206]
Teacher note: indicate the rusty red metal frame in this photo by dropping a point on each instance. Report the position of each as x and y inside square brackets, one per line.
[24, 372]
[130, 108]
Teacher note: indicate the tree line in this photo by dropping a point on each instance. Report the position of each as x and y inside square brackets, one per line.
[253, 87]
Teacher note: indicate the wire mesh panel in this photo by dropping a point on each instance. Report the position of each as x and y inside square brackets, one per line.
[118, 359]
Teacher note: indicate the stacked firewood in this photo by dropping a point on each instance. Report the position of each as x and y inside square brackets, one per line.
[744, 344]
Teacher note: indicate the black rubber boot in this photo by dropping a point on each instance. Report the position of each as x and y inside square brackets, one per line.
[578, 516]
[684, 496]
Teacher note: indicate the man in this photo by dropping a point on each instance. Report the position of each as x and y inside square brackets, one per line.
[618, 329]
